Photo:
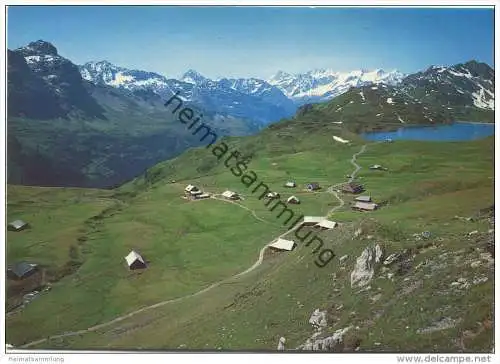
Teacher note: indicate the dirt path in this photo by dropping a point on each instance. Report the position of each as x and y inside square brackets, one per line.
[259, 261]
[355, 164]
[332, 189]
[243, 207]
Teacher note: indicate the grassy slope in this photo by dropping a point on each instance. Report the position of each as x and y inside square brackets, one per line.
[277, 300]
[428, 183]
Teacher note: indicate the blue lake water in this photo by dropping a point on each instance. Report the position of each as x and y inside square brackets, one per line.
[443, 133]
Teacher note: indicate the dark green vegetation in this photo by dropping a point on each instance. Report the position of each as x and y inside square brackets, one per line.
[65, 131]
[193, 244]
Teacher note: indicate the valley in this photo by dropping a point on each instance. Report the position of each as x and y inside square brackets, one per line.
[99, 166]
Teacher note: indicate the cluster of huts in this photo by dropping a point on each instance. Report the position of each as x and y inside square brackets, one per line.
[194, 193]
[20, 270]
[134, 260]
[361, 203]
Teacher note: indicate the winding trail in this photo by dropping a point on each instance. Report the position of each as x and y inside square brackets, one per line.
[243, 207]
[332, 189]
[259, 261]
[355, 164]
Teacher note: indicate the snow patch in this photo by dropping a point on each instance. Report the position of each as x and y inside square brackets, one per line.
[120, 79]
[482, 101]
[340, 140]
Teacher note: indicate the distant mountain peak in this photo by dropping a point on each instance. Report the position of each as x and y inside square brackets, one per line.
[324, 84]
[193, 76]
[100, 63]
[39, 47]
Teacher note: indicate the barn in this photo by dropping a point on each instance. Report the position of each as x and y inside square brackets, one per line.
[21, 270]
[230, 195]
[363, 199]
[135, 261]
[326, 224]
[312, 220]
[352, 187]
[17, 225]
[365, 206]
[313, 186]
[282, 245]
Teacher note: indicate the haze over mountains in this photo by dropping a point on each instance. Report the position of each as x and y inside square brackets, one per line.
[99, 124]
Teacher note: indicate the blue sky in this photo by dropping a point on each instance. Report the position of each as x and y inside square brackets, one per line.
[257, 41]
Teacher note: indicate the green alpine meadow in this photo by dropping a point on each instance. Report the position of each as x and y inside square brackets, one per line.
[323, 211]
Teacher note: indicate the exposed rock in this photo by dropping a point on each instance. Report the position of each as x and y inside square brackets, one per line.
[358, 233]
[318, 319]
[461, 283]
[343, 258]
[479, 280]
[476, 264]
[366, 265]
[330, 343]
[281, 343]
[379, 254]
[392, 258]
[442, 324]
[473, 232]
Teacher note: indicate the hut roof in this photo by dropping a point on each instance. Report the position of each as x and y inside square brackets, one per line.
[365, 206]
[229, 194]
[313, 219]
[132, 257]
[20, 269]
[327, 224]
[283, 244]
[363, 198]
[18, 224]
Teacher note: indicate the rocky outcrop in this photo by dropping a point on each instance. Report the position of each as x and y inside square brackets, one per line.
[318, 319]
[366, 265]
[333, 343]
[281, 344]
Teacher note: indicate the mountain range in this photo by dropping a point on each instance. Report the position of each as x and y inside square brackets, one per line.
[99, 124]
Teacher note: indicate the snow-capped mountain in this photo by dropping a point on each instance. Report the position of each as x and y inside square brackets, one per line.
[106, 73]
[323, 84]
[251, 99]
[194, 77]
[43, 84]
[465, 84]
